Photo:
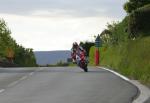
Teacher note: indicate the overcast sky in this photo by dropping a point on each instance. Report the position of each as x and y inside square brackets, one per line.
[56, 24]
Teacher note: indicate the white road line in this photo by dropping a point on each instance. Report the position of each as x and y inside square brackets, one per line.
[23, 78]
[31, 73]
[16, 82]
[2, 90]
[13, 83]
[123, 77]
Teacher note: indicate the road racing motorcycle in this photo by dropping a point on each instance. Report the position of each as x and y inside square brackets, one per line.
[82, 61]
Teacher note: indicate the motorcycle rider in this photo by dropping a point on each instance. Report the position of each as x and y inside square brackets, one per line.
[76, 52]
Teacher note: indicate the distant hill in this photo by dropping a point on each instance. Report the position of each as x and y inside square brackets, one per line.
[51, 57]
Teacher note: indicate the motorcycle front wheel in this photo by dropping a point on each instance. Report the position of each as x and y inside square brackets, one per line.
[85, 69]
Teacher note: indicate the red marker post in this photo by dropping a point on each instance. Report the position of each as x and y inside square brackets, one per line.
[97, 56]
[97, 53]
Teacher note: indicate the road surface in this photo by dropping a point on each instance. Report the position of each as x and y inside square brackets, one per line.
[63, 85]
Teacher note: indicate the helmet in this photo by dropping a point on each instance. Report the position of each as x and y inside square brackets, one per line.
[75, 44]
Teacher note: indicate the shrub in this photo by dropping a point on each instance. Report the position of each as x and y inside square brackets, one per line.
[139, 22]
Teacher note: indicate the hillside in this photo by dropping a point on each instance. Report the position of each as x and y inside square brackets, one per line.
[51, 57]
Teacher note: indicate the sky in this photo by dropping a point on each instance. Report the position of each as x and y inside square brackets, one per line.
[47, 25]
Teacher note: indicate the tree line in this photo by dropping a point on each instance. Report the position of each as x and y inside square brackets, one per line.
[20, 56]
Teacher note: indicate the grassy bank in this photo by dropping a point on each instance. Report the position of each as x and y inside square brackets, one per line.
[131, 59]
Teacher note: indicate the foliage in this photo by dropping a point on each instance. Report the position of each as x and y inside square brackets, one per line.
[139, 22]
[26, 55]
[58, 64]
[115, 32]
[5, 39]
[105, 36]
[61, 63]
[132, 5]
[22, 57]
[91, 55]
[87, 45]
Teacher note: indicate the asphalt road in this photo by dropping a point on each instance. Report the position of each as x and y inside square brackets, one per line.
[148, 101]
[63, 85]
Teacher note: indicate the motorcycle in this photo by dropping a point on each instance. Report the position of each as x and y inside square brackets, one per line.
[82, 61]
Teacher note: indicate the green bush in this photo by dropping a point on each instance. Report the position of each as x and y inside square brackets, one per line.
[139, 22]
[61, 63]
[87, 45]
[116, 32]
[132, 5]
[91, 55]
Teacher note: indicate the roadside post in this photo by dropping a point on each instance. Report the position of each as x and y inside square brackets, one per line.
[97, 53]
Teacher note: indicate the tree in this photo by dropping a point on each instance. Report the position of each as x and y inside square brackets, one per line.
[6, 41]
[139, 22]
[132, 5]
[22, 57]
[116, 32]
[105, 36]
[87, 45]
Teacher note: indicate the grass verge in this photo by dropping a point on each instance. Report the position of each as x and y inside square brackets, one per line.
[131, 59]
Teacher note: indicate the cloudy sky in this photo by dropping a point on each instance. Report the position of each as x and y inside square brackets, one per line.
[56, 24]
